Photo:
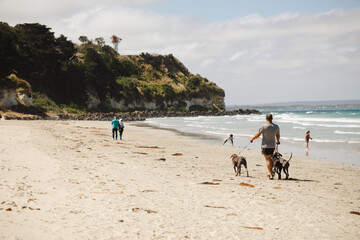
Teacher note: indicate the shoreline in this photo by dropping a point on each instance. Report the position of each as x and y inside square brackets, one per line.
[140, 115]
[72, 180]
[314, 153]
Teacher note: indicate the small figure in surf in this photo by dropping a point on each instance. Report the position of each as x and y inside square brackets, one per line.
[307, 139]
[229, 138]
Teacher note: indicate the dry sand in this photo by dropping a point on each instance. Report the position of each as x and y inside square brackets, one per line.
[71, 180]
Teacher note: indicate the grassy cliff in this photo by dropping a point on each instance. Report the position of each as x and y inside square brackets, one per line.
[61, 73]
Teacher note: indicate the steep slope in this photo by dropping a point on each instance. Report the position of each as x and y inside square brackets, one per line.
[95, 77]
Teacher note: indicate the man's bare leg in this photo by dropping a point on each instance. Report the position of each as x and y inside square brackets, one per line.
[269, 164]
[307, 149]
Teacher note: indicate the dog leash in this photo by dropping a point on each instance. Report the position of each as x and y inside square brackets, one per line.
[244, 148]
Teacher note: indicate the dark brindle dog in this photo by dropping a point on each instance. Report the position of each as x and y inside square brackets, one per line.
[280, 164]
[237, 162]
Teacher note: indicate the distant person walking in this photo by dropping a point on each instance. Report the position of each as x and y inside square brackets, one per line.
[121, 128]
[229, 138]
[115, 125]
[307, 139]
[269, 131]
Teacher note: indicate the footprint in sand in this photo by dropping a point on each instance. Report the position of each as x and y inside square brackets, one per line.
[140, 153]
[146, 191]
[142, 209]
[209, 206]
[231, 214]
[147, 146]
[209, 183]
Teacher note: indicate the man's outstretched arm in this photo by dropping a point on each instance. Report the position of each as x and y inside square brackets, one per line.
[255, 136]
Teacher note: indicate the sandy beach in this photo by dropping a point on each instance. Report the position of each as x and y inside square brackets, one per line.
[71, 180]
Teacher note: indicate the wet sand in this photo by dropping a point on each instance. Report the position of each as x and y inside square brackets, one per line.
[71, 180]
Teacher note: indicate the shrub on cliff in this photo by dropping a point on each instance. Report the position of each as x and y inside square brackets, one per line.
[13, 82]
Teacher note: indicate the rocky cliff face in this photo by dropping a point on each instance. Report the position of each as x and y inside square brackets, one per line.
[61, 74]
[11, 97]
[203, 102]
[14, 90]
[8, 97]
[162, 82]
[155, 82]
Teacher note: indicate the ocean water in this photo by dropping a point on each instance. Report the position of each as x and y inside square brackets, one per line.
[335, 131]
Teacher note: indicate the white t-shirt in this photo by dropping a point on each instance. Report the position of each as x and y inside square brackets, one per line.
[229, 138]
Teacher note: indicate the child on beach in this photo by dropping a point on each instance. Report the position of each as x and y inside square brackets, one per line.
[307, 138]
[230, 138]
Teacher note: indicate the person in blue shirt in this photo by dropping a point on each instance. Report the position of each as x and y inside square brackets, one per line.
[115, 126]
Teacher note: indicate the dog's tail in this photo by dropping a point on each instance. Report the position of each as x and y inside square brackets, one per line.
[290, 157]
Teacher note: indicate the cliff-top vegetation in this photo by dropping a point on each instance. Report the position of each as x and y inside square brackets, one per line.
[67, 73]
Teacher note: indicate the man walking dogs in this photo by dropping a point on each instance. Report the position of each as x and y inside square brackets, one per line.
[269, 131]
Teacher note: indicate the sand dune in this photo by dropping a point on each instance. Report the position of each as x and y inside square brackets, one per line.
[71, 180]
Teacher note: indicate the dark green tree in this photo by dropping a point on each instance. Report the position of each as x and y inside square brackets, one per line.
[65, 48]
[97, 73]
[83, 39]
[8, 53]
[38, 57]
[100, 41]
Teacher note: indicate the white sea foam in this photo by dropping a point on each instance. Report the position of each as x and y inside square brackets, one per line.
[201, 126]
[255, 120]
[216, 133]
[349, 133]
[286, 118]
[327, 130]
[317, 124]
[299, 127]
[242, 135]
[337, 126]
[329, 141]
[293, 139]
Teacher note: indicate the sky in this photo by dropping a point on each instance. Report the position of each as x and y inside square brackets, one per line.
[258, 51]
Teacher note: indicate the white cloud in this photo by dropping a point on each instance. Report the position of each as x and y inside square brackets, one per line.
[266, 59]
[237, 55]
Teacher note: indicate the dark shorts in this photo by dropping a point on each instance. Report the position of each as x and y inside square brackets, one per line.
[267, 151]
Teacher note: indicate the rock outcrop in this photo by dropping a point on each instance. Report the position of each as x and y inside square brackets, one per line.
[143, 115]
[8, 97]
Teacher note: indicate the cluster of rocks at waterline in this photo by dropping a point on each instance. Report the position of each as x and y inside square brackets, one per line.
[128, 116]
[142, 115]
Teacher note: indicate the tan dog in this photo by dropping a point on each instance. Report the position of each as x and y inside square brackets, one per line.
[237, 162]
